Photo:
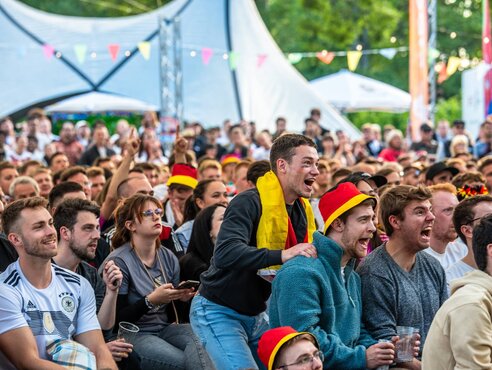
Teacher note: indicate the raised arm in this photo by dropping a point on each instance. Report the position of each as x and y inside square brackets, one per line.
[180, 148]
[112, 278]
[131, 149]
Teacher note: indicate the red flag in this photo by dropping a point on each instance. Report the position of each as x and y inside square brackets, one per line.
[325, 56]
[206, 55]
[487, 53]
[419, 87]
[443, 74]
[113, 51]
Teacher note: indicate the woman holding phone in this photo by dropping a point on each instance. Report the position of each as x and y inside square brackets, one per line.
[150, 278]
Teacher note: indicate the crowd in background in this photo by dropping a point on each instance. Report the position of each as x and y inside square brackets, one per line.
[135, 195]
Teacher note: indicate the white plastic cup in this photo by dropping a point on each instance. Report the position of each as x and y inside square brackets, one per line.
[128, 331]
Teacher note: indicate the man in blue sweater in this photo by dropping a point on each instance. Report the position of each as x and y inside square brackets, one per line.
[327, 290]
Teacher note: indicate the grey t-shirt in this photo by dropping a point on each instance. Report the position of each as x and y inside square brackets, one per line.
[137, 284]
[394, 297]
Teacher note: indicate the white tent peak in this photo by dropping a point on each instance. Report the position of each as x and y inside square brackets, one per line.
[352, 92]
[211, 92]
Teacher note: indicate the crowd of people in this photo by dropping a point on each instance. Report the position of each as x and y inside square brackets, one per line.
[239, 249]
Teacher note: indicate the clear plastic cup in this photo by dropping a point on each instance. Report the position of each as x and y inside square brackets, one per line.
[128, 331]
[383, 367]
[404, 347]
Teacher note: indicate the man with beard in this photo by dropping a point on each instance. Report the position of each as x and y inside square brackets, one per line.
[77, 225]
[402, 285]
[443, 235]
[327, 289]
[68, 143]
[43, 307]
[262, 228]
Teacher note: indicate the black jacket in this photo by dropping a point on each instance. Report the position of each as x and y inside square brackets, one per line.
[91, 154]
[232, 278]
[8, 254]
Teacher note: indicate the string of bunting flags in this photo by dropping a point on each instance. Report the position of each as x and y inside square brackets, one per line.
[444, 70]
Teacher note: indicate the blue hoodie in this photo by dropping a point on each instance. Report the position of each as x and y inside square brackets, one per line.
[310, 294]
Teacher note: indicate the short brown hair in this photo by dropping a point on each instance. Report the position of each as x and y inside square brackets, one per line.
[72, 171]
[12, 212]
[130, 209]
[94, 171]
[464, 214]
[394, 201]
[256, 170]
[5, 165]
[463, 179]
[42, 170]
[484, 162]
[284, 147]
[25, 166]
[145, 166]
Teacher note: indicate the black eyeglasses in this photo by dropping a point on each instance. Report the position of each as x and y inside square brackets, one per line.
[151, 212]
[306, 360]
[478, 218]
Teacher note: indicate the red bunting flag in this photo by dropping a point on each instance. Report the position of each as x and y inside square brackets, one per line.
[443, 74]
[261, 59]
[206, 55]
[325, 56]
[48, 51]
[114, 49]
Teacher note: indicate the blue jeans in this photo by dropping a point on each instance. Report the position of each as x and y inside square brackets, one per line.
[174, 347]
[231, 339]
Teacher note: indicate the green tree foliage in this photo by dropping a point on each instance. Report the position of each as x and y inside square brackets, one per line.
[96, 8]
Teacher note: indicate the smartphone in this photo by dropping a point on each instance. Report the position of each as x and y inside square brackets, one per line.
[188, 284]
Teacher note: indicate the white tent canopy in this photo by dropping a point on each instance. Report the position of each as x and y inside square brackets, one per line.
[212, 92]
[99, 102]
[351, 92]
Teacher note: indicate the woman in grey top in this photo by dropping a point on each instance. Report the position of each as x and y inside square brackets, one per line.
[148, 290]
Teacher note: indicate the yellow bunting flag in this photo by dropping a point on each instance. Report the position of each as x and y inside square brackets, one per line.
[453, 64]
[144, 48]
[353, 58]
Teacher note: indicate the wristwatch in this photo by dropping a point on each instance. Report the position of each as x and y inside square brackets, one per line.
[150, 305]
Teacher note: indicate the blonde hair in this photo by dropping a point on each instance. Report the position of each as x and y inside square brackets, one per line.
[447, 187]
[392, 134]
[458, 139]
